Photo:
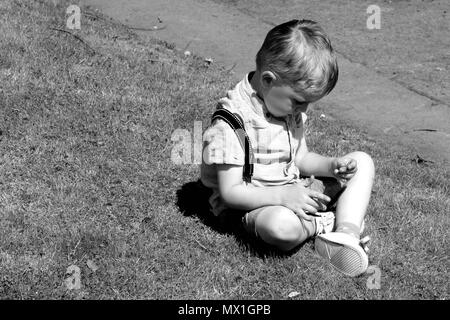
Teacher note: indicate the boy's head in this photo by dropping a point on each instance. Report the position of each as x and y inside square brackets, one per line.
[295, 65]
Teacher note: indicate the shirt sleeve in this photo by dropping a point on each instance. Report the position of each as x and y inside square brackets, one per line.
[221, 145]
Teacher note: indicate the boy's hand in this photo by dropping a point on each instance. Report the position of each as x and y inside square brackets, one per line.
[344, 168]
[303, 201]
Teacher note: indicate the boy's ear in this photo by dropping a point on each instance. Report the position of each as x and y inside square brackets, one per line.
[267, 78]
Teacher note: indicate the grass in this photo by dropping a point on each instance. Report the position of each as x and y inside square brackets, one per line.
[86, 176]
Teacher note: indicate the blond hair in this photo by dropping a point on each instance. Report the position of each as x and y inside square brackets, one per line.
[301, 54]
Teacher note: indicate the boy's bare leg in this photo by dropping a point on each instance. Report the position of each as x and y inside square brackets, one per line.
[343, 248]
[352, 204]
[279, 226]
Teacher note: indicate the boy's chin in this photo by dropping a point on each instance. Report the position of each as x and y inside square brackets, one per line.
[283, 114]
[280, 113]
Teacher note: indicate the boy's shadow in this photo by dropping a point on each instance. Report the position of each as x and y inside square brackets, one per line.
[192, 200]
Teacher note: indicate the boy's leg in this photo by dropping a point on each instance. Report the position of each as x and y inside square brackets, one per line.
[342, 248]
[281, 227]
[353, 202]
[278, 226]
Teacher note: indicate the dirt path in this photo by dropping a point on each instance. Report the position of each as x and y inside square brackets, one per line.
[231, 35]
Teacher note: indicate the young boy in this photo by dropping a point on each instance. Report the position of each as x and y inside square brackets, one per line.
[295, 66]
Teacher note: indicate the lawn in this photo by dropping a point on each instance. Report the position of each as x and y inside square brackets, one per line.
[87, 181]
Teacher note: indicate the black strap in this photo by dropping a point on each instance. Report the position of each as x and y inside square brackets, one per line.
[235, 122]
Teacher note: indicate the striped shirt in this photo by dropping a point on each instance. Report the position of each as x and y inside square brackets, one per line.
[274, 140]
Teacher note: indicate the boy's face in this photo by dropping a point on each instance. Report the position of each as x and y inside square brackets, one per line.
[281, 99]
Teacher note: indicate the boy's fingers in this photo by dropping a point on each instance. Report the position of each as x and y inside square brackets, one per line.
[347, 176]
[310, 209]
[319, 196]
[343, 162]
[313, 203]
[351, 165]
[348, 173]
[317, 203]
[350, 170]
[301, 214]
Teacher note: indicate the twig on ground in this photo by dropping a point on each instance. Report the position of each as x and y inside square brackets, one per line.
[76, 37]
[205, 248]
[155, 28]
[74, 249]
[256, 292]
[201, 245]
[420, 130]
[427, 130]
[96, 16]
[234, 65]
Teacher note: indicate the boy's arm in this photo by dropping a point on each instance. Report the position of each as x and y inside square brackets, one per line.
[236, 194]
[313, 164]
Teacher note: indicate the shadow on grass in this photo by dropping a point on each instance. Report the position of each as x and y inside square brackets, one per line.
[192, 200]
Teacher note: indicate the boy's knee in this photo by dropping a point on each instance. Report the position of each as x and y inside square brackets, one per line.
[364, 162]
[287, 231]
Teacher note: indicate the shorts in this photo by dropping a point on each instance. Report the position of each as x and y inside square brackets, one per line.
[328, 186]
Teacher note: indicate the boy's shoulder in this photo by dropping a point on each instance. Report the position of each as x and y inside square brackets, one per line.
[238, 98]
